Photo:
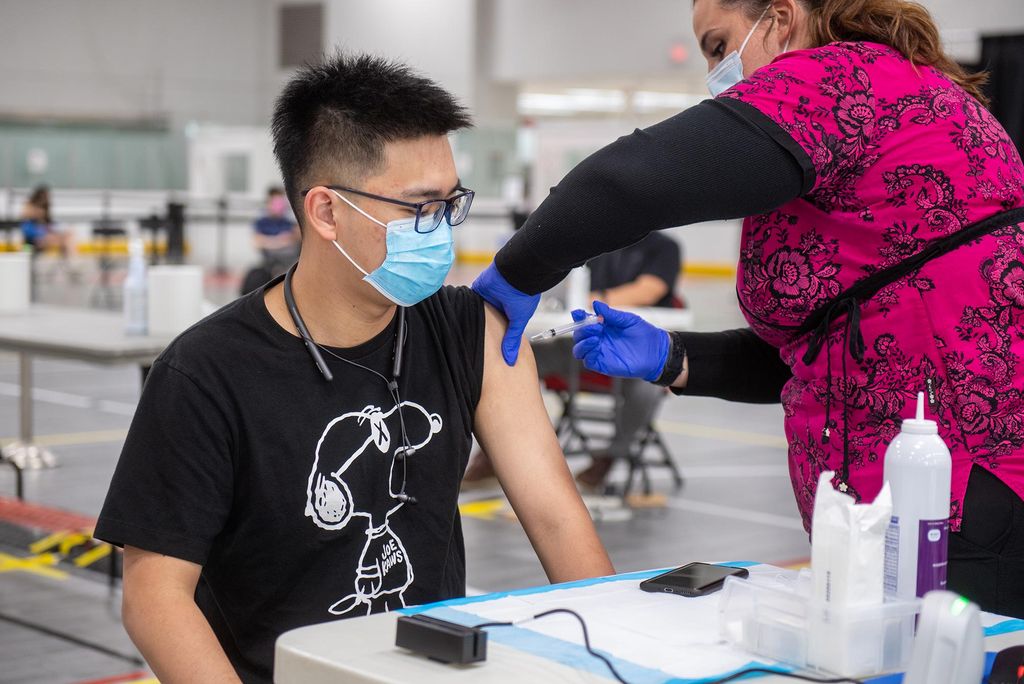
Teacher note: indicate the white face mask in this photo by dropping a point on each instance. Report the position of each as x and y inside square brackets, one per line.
[729, 71]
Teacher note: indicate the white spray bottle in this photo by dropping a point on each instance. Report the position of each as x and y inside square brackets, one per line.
[135, 289]
[918, 468]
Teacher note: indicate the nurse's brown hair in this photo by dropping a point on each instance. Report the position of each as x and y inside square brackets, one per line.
[905, 26]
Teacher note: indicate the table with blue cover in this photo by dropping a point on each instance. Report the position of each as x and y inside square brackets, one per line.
[651, 638]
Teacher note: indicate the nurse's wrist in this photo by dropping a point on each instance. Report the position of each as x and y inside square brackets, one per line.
[680, 381]
[675, 364]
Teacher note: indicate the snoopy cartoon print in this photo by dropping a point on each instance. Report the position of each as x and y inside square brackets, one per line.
[359, 448]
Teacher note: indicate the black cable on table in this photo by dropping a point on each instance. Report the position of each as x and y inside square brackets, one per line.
[586, 636]
[731, 678]
[780, 673]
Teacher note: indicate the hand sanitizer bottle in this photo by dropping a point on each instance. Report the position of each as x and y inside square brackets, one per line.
[578, 289]
[135, 293]
[918, 468]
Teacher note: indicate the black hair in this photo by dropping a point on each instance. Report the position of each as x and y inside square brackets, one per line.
[39, 194]
[333, 119]
[274, 190]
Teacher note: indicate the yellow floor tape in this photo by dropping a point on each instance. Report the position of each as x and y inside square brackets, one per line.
[65, 542]
[41, 564]
[485, 509]
[92, 555]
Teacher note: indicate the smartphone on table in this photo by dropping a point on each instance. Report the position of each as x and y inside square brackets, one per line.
[694, 579]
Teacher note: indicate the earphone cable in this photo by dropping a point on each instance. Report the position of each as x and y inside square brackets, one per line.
[392, 386]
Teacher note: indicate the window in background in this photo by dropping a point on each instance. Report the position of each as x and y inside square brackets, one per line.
[236, 173]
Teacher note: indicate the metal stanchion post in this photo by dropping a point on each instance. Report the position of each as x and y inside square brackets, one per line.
[222, 235]
[175, 233]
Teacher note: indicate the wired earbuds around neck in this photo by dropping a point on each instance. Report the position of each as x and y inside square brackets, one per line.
[406, 450]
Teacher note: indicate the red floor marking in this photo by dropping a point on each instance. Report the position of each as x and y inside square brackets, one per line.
[42, 517]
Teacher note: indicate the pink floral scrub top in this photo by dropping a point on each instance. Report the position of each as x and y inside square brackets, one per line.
[901, 157]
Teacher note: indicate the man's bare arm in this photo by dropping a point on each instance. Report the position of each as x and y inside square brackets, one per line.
[514, 429]
[161, 616]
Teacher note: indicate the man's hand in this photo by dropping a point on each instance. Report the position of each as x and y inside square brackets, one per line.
[517, 306]
[161, 616]
[623, 345]
[515, 431]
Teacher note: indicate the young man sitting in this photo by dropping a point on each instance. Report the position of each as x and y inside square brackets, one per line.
[254, 494]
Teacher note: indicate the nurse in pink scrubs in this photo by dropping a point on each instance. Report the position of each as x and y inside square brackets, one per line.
[882, 254]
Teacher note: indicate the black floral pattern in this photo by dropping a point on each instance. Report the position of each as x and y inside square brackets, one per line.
[931, 191]
[902, 157]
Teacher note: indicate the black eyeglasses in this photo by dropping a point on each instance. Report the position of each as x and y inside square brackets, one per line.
[429, 212]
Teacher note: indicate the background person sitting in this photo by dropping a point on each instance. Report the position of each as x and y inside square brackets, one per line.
[277, 237]
[37, 227]
[276, 234]
[643, 274]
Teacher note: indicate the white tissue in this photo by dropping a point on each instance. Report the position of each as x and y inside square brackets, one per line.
[848, 546]
[846, 617]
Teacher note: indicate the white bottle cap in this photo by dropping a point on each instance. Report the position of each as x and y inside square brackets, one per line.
[919, 425]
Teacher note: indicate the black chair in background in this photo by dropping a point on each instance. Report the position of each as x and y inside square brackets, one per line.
[153, 224]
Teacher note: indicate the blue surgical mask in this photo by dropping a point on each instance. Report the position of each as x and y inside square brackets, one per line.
[416, 264]
[729, 71]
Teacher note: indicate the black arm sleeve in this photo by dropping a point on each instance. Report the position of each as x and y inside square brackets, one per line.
[722, 159]
[735, 365]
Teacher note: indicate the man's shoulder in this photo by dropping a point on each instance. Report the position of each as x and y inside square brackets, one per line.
[217, 338]
[455, 314]
[457, 300]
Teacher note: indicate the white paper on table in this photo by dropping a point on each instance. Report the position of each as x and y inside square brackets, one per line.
[677, 635]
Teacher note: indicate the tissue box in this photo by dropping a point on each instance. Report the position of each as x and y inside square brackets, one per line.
[175, 299]
[775, 617]
[15, 282]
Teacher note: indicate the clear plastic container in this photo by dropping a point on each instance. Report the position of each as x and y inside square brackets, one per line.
[773, 616]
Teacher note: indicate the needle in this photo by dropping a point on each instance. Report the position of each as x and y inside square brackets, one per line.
[555, 332]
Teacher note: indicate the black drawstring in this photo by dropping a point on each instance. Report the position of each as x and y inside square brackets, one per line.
[855, 343]
[816, 324]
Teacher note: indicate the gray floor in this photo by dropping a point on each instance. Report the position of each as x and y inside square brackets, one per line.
[736, 503]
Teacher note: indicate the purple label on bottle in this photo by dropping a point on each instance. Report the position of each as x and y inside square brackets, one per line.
[932, 554]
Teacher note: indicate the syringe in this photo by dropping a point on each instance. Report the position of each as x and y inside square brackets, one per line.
[555, 332]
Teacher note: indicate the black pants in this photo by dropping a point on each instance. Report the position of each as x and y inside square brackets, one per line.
[986, 558]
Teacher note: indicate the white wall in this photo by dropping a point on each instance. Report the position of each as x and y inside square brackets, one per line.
[964, 21]
[208, 60]
[208, 146]
[436, 37]
[539, 40]
[588, 40]
[215, 60]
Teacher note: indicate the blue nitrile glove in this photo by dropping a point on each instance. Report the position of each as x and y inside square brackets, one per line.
[624, 345]
[517, 306]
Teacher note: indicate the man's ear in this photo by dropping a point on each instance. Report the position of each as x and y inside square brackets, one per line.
[319, 209]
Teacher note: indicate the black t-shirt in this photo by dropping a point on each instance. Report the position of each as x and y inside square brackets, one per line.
[243, 459]
[656, 254]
